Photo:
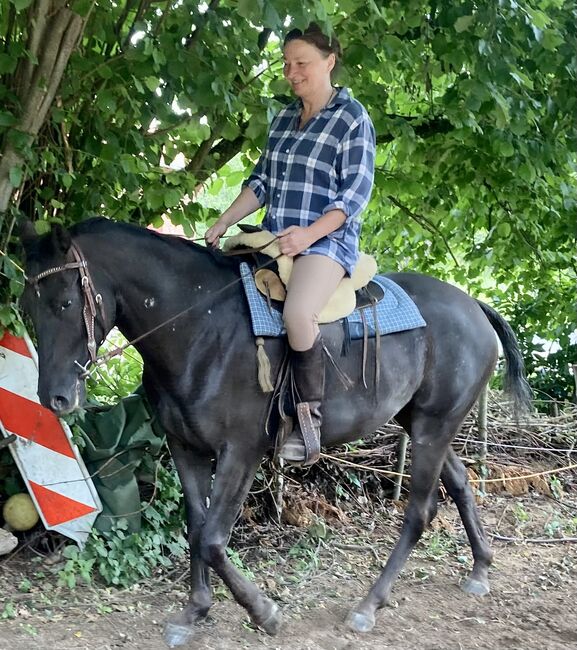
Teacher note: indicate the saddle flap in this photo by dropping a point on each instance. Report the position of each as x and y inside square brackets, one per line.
[270, 285]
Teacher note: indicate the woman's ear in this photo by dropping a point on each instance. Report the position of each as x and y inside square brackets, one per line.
[332, 60]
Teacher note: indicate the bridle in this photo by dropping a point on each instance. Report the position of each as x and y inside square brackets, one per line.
[92, 299]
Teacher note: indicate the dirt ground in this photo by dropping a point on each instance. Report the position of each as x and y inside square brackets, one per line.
[316, 575]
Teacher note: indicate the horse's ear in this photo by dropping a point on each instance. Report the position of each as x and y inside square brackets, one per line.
[27, 233]
[61, 239]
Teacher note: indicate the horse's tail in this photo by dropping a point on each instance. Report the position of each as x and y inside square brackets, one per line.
[514, 381]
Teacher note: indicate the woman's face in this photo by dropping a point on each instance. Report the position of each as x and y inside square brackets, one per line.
[306, 68]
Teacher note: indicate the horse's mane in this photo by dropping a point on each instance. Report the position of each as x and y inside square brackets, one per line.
[102, 225]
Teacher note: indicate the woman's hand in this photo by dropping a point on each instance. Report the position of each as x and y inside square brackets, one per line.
[294, 240]
[215, 232]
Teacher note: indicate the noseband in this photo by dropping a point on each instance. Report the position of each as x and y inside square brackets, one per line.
[92, 299]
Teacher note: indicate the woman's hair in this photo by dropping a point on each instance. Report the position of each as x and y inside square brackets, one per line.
[314, 36]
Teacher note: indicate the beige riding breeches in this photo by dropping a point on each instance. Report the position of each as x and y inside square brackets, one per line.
[313, 280]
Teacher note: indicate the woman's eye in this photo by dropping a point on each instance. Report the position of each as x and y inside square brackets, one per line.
[65, 304]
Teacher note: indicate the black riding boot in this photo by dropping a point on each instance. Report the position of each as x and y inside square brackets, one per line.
[303, 444]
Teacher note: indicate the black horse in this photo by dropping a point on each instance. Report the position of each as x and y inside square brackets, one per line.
[200, 376]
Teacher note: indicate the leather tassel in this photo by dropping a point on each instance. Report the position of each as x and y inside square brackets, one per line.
[263, 366]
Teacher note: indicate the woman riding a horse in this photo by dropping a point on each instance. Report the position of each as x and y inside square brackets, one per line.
[314, 178]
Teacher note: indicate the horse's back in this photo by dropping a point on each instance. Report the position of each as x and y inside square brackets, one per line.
[443, 304]
[461, 342]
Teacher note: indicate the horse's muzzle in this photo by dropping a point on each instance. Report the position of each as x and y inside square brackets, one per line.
[60, 405]
[62, 402]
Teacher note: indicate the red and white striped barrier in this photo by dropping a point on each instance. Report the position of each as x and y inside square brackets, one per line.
[49, 462]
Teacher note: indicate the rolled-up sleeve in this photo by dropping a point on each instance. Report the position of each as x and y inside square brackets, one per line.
[356, 169]
[258, 180]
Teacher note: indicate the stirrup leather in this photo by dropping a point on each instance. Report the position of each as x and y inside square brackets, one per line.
[303, 445]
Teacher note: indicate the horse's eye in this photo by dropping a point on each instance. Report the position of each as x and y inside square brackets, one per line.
[65, 304]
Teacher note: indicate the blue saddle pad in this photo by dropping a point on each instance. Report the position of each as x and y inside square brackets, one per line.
[396, 312]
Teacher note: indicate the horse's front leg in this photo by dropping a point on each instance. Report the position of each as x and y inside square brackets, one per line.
[195, 472]
[235, 471]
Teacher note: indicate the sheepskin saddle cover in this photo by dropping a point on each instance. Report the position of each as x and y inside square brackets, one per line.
[343, 301]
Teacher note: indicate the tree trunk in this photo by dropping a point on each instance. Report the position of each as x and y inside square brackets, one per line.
[54, 33]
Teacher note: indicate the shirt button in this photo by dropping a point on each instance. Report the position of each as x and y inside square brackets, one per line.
[287, 150]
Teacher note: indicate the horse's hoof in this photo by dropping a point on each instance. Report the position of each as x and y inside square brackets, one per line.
[175, 635]
[475, 587]
[360, 622]
[271, 625]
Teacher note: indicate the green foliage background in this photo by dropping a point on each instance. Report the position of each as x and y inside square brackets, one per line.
[473, 104]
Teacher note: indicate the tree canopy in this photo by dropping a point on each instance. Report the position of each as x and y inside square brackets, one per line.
[129, 108]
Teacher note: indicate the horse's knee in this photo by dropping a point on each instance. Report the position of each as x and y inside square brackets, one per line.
[416, 519]
[431, 512]
[213, 552]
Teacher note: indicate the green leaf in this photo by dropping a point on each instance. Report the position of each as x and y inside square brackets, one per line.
[15, 176]
[526, 172]
[540, 19]
[21, 4]
[216, 186]
[271, 17]
[235, 178]
[522, 79]
[7, 119]
[506, 148]
[7, 63]
[551, 40]
[504, 229]
[42, 227]
[250, 9]
[463, 23]
[82, 7]
[171, 198]
[152, 83]
[501, 110]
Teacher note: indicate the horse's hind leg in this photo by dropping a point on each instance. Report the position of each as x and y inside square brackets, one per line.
[235, 471]
[195, 474]
[454, 477]
[430, 442]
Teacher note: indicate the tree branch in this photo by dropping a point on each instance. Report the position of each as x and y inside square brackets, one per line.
[191, 40]
[425, 223]
[434, 126]
[218, 156]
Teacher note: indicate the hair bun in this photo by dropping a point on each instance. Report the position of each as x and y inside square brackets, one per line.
[314, 35]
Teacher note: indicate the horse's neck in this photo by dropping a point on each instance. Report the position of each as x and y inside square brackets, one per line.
[153, 281]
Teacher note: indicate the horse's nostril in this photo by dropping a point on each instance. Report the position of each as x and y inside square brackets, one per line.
[58, 403]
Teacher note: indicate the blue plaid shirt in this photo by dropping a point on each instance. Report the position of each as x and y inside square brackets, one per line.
[328, 165]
